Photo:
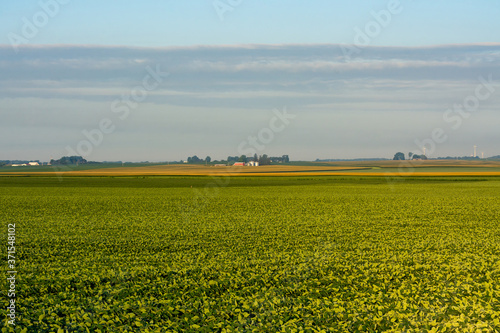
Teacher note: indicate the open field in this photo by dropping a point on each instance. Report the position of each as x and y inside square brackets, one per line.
[236, 254]
[367, 168]
[59, 169]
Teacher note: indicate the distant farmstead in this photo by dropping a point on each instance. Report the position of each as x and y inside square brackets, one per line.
[23, 164]
[251, 163]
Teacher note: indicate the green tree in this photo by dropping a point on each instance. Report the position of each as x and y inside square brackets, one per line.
[399, 156]
[264, 160]
[65, 160]
[194, 159]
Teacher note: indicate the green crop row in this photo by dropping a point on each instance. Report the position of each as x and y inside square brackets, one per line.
[326, 256]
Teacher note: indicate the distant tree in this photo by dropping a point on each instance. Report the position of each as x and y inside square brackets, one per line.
[285, 159]
[243, 158]
[255, 157]
[410, 155]
[66, 160]
[208, 159]
[399, 156]
[264, 160]
[419, 157]
[194, 159]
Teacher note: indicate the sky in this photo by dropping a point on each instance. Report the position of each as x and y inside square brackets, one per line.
[163, 80]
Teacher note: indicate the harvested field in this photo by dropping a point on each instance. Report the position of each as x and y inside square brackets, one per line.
[364, 168]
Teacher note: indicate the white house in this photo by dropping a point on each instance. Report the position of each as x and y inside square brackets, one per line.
[33, 163]
[253, 163]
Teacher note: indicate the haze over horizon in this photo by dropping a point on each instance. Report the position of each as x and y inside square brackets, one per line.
[161, 81]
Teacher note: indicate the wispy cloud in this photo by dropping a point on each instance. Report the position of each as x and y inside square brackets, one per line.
[248, 67]
[314, 80]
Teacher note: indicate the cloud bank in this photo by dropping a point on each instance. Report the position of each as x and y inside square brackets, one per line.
[373, 103]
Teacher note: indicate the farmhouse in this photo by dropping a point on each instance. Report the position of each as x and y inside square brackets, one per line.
[21, 164]
[239, 164]
[252, 163]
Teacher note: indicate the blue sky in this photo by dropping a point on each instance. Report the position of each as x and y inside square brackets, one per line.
[195, 22]
[404, 76]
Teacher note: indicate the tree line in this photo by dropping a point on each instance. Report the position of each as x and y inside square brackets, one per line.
[399, 156]
[262, 159]
[68, 160]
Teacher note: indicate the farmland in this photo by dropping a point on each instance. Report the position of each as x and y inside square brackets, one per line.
[266, 254]
[345, 168]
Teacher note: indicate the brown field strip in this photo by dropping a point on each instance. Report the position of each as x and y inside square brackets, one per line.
[196, 170]
[419, 163]
[337, 169]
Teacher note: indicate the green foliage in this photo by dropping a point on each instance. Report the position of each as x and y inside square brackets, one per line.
[399, 156]
[132, 255]
[65, 160]
[419, 157]
[264, 160]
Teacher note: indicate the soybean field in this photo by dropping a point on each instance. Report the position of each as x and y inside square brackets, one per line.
[253, 254]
